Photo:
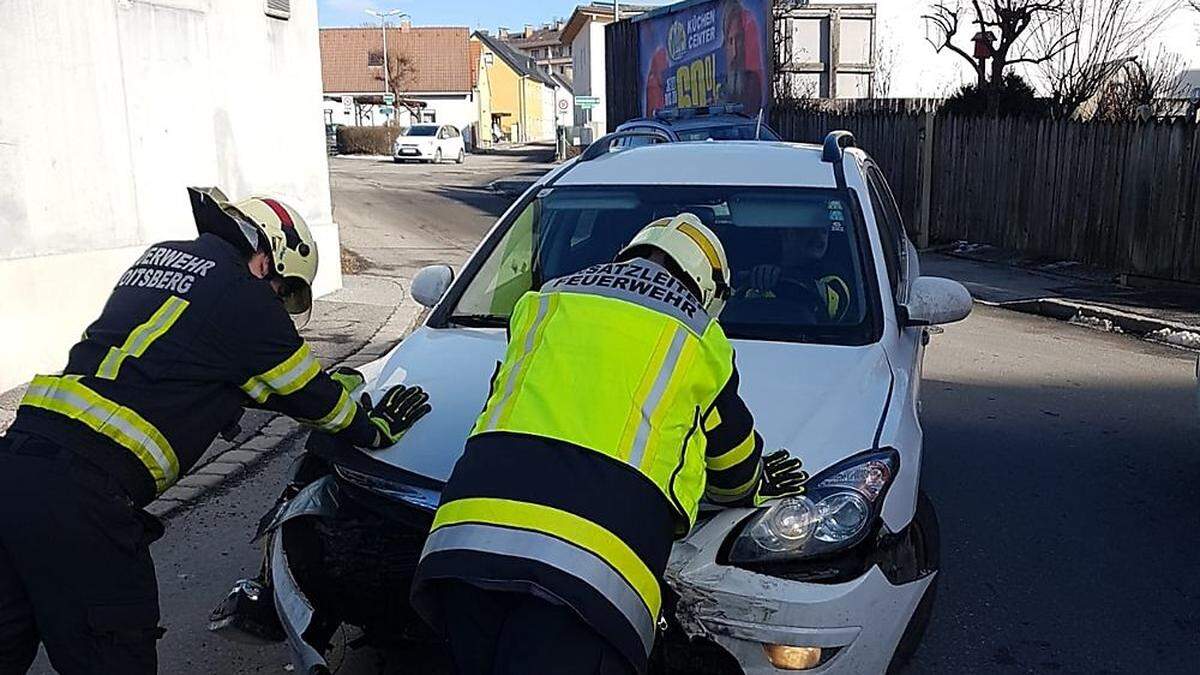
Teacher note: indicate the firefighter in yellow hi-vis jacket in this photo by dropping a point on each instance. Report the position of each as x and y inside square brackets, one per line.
[193, 331]
[615, 410]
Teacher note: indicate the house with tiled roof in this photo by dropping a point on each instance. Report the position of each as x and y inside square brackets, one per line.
[521, 101]
[544, 44]
[430, 71]
[584, 33]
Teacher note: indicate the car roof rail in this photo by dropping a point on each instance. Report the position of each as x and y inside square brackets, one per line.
[835, 144]
[834, 153]
[602, 145]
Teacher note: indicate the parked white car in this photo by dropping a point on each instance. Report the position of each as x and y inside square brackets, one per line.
[840, 580]
[430, 143]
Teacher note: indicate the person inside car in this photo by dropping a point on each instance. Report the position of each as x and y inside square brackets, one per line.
[804, 271]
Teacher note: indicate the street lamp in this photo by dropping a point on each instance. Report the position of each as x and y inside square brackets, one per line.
[383, 17]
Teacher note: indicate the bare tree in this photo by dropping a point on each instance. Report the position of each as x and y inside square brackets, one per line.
[1002, 33]
[1145, 88]
[1109, 34]
[401, 73]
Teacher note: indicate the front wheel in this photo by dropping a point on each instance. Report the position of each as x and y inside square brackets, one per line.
[462, 157]
[437, 156]
[927, 553]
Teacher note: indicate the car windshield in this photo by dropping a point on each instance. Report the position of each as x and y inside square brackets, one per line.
[731, 132]
[798, 256]
[422, 131]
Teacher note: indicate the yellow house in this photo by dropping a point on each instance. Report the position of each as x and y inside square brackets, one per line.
[516, 97]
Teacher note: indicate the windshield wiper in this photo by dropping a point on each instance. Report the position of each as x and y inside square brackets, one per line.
[478, 320]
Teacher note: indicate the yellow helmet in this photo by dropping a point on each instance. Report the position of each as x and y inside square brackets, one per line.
[286, 235]
[696, 250]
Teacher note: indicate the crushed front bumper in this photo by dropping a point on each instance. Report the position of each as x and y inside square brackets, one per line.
[858, 624]
[239, 616]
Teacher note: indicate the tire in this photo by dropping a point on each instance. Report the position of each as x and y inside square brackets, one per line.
[927, 544]
[437, 156]
[397, 160]
[462, 157]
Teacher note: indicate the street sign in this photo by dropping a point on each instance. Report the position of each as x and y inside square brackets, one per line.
[386, 110]
[582, 101]
[389, 98]
[348, 104]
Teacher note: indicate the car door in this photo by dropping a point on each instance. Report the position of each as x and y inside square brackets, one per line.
[898, 255]
[443, 142]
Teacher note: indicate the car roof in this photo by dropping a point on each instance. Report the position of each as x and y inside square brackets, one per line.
[759, 163]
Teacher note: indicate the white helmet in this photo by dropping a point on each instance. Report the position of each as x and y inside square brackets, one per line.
[695, 249]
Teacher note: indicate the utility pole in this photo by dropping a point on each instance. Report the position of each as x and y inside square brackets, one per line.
[383, 17]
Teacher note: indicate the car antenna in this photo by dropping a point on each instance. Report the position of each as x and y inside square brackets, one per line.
[758, 127]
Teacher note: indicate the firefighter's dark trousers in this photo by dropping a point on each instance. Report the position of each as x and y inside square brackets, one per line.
[75, 568]
[513, 633]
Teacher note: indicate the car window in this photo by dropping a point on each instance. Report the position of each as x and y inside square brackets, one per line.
[797, 255]
[506, 274]
[731, 132]
[422, 131]
[639, 141]
[891, 229]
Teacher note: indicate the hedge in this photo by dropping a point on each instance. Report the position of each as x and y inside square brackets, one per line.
[366, 140]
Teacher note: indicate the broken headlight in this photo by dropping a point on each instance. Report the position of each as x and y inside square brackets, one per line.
[836, 511]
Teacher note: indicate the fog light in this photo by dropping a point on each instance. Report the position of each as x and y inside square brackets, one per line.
[793, 658]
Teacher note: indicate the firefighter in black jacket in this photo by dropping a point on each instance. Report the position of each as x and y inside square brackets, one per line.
[193, 331]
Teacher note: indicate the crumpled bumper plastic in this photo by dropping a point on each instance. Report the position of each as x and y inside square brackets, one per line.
[319, 498]
[862, 620]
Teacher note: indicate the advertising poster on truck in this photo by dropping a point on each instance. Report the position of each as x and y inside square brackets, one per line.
[704, 53]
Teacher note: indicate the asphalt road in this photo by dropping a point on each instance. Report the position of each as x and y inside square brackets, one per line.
[1063, 463]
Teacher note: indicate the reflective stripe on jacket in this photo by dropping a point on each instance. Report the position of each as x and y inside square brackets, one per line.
[186, 339]
[615, 405]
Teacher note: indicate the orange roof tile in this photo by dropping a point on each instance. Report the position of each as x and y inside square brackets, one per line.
[439, 58]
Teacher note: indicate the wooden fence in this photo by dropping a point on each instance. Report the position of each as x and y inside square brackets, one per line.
[1124, 197]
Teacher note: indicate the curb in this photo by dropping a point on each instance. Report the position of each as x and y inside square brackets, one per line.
[1111, 320]
[267, 432]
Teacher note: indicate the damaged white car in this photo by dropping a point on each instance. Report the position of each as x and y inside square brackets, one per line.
[829, 317]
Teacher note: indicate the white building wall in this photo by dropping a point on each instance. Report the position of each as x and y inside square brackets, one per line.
[460, 110]
[564, 101]
[587, 54]
[151, 96]
[549, 113]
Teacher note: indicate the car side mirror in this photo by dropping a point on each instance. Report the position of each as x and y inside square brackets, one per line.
[431, 283]
[933, 301]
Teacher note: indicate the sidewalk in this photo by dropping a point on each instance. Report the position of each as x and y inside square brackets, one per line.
[352, 326]
[1070, 292]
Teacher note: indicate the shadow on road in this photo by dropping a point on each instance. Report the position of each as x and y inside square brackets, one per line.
[482, 199]
[1068, 516]
[536, 152]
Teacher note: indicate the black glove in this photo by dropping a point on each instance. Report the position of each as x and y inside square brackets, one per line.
[782, 477]
[399, 409]
[349, 378]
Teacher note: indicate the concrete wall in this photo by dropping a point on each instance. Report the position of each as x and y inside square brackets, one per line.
[125, 103]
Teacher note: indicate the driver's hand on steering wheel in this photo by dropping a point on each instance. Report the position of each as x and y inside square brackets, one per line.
[765, 277]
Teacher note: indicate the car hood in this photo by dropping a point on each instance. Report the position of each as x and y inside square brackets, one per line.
[821, 402]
